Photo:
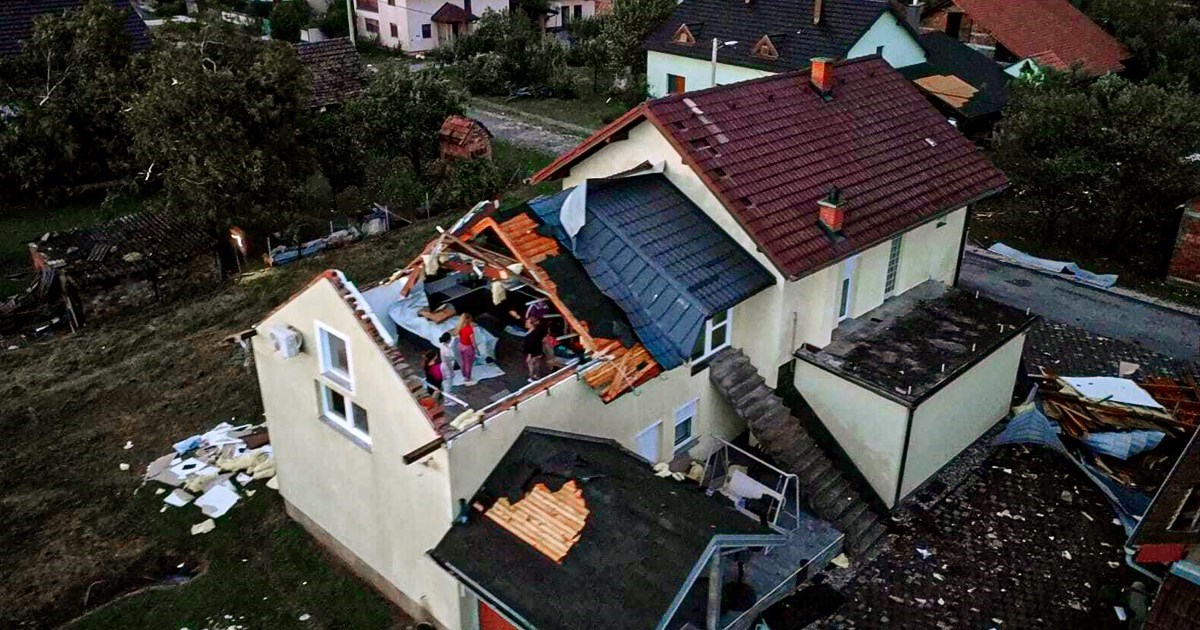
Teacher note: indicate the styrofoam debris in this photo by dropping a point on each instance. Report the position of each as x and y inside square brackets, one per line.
[204, 527]
[178, 498]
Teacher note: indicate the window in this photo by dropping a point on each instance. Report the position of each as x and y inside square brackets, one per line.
[333, 355]
[683, 35]
[565, 12]
[889, 283]
[368, 5]
[846, 288]
[391, 3]
[1187, 518]
[684, 418]
[372, 25]
[716, 334]
[954, 24]
[426, 31]
[676, 84]
[577, 12]
[338, 409]
[764, 49]
[395, 31]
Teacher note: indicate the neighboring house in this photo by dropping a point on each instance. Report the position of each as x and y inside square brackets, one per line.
[565, 11]
[772, 36]
[419, 25]
[1050, 33]
[1167, 541]
[706, 250]
[960, 81]
[336, 70]
[127, 263]
[17, 18]
[569, 528]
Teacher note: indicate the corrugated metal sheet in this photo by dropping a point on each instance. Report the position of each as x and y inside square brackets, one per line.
[660, 258]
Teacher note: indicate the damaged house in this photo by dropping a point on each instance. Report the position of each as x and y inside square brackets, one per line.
[709, 256]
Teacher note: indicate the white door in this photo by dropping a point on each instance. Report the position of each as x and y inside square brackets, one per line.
[648, 442]
[846, 292]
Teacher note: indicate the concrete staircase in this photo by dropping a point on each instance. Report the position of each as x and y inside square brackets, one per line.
[783, 437]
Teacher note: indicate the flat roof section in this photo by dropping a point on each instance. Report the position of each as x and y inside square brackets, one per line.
[914, 343]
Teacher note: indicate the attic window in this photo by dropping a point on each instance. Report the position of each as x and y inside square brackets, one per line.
[683, 35]
[764, 49]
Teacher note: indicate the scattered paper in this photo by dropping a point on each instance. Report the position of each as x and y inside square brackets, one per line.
[217, 501]
[305, 617]
[204, 528]
[925, 553]
[244, 479]
[128, 445]
[178, 498]
[124, 466]
[1120, 612]
[841, 561]
[159, 490]
[1066, 554]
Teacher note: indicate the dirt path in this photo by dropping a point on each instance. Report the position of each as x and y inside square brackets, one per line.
[524, 131]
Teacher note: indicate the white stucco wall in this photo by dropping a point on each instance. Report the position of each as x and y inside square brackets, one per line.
[899, 47]
[697, 73]
[869, 427]
[388, 514]
[955, 416]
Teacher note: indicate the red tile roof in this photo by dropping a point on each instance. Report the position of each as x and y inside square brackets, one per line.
[770, 148]
[1051, 31]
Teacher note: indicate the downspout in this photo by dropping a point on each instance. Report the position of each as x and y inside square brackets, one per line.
[350, 19]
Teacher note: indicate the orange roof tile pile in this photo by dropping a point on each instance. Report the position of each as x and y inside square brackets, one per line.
[548, 521]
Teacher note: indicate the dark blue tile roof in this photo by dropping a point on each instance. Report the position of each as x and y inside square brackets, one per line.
[659, 257]
[17, 18]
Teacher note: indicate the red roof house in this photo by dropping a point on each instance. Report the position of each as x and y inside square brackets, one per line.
[770, 149]
[1051, 32]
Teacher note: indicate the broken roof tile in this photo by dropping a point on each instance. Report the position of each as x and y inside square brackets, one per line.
[549, 521]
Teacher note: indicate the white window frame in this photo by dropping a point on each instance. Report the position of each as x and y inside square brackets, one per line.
[325, 392]
[845, 294]
[891, 273]
[691, 409]
[324, 360]
[709, 350]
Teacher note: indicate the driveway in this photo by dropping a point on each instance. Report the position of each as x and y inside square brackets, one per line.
[1099, 311]
[524, 131]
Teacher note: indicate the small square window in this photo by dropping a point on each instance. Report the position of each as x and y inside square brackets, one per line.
[676, 84]
[684, 418]
[337, 409]
[372, 25]
[716, 335]
[426, 31]
[360, 418]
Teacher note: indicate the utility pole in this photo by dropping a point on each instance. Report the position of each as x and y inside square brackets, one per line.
[350, 19]
[717, 45]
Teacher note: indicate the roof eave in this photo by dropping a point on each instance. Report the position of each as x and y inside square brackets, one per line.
[595, 142]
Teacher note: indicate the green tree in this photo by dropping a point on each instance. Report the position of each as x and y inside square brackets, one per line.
[1103, 165]
[630, 22]
[66, 91]
[288, 18]
[220, 125]
[334, 22]
[401, 112]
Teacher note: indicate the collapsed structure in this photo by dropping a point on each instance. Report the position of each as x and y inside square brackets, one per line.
[710, 255]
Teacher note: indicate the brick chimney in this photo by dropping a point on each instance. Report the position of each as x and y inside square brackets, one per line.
[832, 213]
[822, 76]
[818, 11]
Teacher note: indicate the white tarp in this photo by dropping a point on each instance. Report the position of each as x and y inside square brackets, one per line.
[1057, 266]
[573, 213]
[1120, 390]
[406, 312]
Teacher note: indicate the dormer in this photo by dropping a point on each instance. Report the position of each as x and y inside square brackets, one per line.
[765, 49]
[683, 35]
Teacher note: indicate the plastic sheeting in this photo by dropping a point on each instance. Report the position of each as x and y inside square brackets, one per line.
[1104, 280]
[1030, 426]
[1122, 444]
[406, 312]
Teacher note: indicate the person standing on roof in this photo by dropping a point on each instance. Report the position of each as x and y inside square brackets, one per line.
[466, 347]
[532, 346]
[446, 355]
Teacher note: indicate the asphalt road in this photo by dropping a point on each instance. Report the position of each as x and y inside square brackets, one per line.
[1100, 312]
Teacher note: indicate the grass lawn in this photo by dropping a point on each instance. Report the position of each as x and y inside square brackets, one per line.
[74, 527]
[520, 163]
[589, 112]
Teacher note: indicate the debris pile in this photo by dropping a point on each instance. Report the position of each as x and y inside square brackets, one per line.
[1124, 435]
[212, 470]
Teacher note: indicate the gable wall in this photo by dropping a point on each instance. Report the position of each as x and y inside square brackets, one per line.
[900, 48]
[697, 73]
[385, 513]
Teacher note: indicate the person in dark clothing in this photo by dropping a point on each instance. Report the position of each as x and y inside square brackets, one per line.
[532, 346]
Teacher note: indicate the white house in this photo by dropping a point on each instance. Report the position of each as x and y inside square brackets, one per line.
[800, 231]
[761, 37]
[419, 25]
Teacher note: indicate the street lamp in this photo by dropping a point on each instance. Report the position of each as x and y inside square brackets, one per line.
[717, 45]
